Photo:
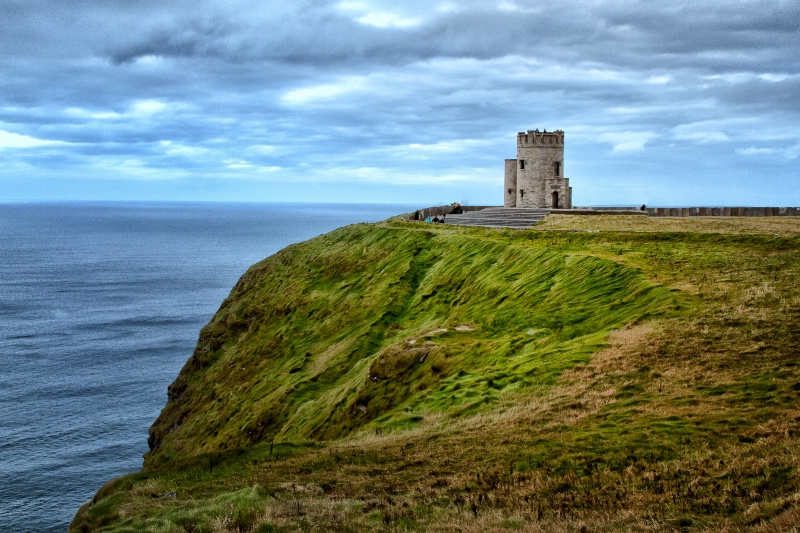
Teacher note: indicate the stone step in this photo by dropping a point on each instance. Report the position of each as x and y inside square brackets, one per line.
[500, 217]
[479, 214]
[506, 210]
[478, 222]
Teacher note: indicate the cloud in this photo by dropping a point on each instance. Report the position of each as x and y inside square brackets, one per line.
[404, 93]
[179, 150]
[263, 149]
[137, 110]
[659, 80]
[755, 151]
[389, 176]
[701, 132]
[790, 152]
[14, 140]
[366, 14]
[147, 107]
[460, 145]
[628, 141]
[704, 137]
[325, 91]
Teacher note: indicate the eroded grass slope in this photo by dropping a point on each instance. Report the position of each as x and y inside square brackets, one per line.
[382, 325]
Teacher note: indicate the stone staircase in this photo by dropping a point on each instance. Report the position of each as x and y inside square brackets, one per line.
[500, 217]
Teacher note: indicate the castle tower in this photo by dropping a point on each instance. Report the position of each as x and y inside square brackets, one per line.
[536, 177]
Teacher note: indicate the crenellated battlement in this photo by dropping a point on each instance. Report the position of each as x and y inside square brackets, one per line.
[540, 138]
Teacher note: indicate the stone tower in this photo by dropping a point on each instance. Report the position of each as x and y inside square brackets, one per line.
[536, 177]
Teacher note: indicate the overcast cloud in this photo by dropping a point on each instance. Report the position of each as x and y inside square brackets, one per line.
[678, 103]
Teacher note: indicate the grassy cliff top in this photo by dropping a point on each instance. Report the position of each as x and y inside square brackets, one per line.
[613, 372]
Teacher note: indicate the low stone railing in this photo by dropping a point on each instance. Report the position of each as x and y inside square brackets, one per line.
[687, 211]
[444, 210]
[723, 211]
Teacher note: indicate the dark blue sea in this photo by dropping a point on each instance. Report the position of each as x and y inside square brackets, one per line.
[100, 306]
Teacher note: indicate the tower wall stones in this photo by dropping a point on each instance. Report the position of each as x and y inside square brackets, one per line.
[538, 173]
[510, 194]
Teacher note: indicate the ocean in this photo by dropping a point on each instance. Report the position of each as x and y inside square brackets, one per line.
[100, 307]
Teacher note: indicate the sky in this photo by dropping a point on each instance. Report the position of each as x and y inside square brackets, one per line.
[413, 102]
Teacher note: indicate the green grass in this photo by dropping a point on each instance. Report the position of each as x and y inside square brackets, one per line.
[357, 328]
[409, 376]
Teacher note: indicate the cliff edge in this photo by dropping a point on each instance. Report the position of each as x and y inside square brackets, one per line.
[426, 376]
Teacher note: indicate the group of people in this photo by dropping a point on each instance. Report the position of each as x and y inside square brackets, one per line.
[455, 209]
[435, 219]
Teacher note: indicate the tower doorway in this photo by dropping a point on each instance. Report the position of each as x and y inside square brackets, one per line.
[555, 199]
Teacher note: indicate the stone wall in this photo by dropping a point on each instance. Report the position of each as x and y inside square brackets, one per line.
[510, 183]
[693, 211]
[722, 211]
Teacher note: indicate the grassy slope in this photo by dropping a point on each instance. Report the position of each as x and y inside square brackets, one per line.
[428, 377]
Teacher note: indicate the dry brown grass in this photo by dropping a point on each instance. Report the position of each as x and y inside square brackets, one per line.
[731, 225]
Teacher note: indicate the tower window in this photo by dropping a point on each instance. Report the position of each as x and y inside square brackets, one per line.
[522, 164]
[510, 191]
[558, 168]
[521, 193]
